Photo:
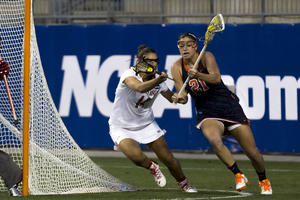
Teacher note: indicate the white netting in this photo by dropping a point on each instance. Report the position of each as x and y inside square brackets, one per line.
[56, 163]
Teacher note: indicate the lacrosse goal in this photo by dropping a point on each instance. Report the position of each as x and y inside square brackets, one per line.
[55, 164]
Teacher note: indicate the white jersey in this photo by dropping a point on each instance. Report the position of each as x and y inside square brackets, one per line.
[133, 109]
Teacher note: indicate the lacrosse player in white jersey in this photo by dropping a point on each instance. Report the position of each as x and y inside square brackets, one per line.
[132, 121]
[10, 172]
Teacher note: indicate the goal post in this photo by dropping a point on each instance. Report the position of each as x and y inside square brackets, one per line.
[40, 144]
[26, 94]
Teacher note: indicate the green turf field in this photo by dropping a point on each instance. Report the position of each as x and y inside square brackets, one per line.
[210, 177]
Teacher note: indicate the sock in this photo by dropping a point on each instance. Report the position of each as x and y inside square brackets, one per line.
[261, 175]
[234, 168]
[182, 181]
[150, 165]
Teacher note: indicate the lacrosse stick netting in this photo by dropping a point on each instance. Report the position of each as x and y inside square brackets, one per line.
[216, 25]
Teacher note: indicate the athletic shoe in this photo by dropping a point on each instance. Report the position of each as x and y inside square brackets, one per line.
[158, 175]
[241, 182]
[14, 191]
[265, 187]
[186, 187]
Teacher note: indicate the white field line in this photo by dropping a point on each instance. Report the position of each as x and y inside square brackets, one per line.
[178, 155]
[208, 169]
[237, 194]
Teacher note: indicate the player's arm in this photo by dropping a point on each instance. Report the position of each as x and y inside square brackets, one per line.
[209, 62]
[177, 76]
[146, 86]
[168, 95]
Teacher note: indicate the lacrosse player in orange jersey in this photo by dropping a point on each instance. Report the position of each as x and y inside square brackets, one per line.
[218, 109]
[9, 170]
[132, 121]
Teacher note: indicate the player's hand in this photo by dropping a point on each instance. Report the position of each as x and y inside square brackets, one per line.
[4, 69]
[163, 76]
[193, 73]
[180, 99]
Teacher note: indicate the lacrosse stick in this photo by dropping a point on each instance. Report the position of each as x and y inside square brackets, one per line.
[144, 67]
[216, 25]
[9, 96]
[10, 101]
[159, 73]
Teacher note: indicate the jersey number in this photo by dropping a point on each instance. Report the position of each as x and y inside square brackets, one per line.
[141, 102]
[198, 85]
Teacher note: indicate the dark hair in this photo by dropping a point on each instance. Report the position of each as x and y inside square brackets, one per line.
[143, 49]
[187, 34]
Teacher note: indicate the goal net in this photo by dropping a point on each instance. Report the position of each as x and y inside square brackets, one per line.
[57, 165]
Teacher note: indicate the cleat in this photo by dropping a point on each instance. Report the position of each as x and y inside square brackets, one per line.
[241, 182]
[186, 187]
[158, 175]
[14, 191]
[265, 187]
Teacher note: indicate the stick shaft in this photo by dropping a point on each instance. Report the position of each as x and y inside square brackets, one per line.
[9, 98]
[168, 77]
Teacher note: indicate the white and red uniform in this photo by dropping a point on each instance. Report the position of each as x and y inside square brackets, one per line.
[132, 115]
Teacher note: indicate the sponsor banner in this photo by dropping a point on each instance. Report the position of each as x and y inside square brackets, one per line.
[83, 64]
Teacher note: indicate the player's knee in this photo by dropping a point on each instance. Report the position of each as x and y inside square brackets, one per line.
[168, 160]
[216, 142]
[136, 158]
[252, 153]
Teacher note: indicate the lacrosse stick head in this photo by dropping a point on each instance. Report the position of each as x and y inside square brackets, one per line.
[142, 66]
[216, 25]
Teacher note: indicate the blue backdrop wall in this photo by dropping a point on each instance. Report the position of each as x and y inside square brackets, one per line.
[82, 65]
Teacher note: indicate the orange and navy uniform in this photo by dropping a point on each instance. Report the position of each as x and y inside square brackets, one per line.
[214, 100]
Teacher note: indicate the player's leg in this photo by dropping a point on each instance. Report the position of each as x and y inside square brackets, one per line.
[11, 174]
[133, 151]
[213, 131]
[161, 149]
[244, 137]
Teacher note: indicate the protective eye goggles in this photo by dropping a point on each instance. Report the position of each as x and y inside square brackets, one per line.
[189, 44]
[145, 65]
[152, 61]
